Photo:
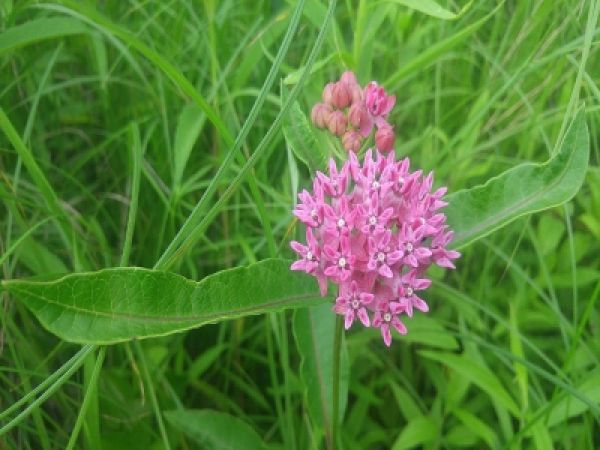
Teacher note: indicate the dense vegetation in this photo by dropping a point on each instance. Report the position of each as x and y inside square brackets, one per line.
[117, 118]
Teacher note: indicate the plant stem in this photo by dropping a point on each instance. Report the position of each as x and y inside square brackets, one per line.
[337, 346]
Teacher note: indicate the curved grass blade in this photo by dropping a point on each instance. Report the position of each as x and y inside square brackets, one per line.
[525, 189]
[119, 304]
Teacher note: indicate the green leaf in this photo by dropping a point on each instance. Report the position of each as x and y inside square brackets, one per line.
[299, 135]
[432, 8]
[479, 375]
[189, 126]
[120, 304]
[39, 30]
[418, 431]
[314, 330]
[525, 189]
[215, 430]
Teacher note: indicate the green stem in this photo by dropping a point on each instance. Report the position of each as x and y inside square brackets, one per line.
[337, 346]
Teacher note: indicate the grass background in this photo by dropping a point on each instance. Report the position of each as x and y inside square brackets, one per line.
[106, 95]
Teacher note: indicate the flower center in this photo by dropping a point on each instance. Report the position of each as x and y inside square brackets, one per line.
[401, 181]
[409, 291]
[309, 255]
[381, 257]
[375, 184]
[422, 220]
[342, 262]
[341, 223]
[313, 213]
[372, 220]
[355, 304]
[409, 247]
[387, 317]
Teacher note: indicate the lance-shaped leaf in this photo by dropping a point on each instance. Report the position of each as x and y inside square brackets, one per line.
[525, 189]
[314, 330]
[119, 304]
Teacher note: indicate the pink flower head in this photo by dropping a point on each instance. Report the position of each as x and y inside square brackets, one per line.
[373, 228]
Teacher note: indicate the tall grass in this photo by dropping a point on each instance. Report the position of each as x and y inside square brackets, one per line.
[123, 121]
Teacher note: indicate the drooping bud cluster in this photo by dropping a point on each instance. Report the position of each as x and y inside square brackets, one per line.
[352, 112]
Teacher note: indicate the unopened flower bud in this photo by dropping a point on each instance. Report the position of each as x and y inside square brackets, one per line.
[328, 93]
[351, 141]
[384, 138]
[358, 115]
[349, 78]
[342, 95]
[357, 94]
[320, 114]
[337, 123]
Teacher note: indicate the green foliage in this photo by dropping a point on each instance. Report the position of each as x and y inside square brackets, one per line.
[478, 211]
[115, 305]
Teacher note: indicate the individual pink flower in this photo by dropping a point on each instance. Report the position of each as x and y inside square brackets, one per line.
[378, 103]
[386, 317]
[352, 303]
[341, 260]
[383, 254]
[406, 291]
[411, 244]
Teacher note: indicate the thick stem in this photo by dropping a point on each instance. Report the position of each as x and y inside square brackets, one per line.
[337, 346]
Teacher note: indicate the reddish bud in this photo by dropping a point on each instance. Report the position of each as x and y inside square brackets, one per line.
[328, 93]
[349, 78]
[320, 114]
[337, 123]
[358, 115]
[384, 138]
[352, 141]
[342, 95]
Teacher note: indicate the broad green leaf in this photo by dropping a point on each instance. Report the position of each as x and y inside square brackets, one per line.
[189, 126]
[477, 374]
[114, 305]
[527, 188]
[39, 30]
[432, 8]
[299, 135]
[314, 330]
[215, 430]
[419, 430]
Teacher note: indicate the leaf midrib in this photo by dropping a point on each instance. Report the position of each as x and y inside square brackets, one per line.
[162, 319]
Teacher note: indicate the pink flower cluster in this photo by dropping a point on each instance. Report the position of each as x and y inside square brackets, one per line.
[366, 108]
[373, 229]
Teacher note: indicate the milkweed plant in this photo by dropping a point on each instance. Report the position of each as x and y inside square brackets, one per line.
[373, 227]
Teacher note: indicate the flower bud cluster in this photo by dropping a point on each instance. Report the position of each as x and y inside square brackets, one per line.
[373, 230]
[349, 111]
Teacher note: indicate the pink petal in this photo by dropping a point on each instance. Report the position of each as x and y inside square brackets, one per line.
[385, 271]
[299, 265]
[399, 326]
[386, 334]
[349, 318]
[363, 317]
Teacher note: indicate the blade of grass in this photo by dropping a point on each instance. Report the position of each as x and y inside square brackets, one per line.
[171, 255]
